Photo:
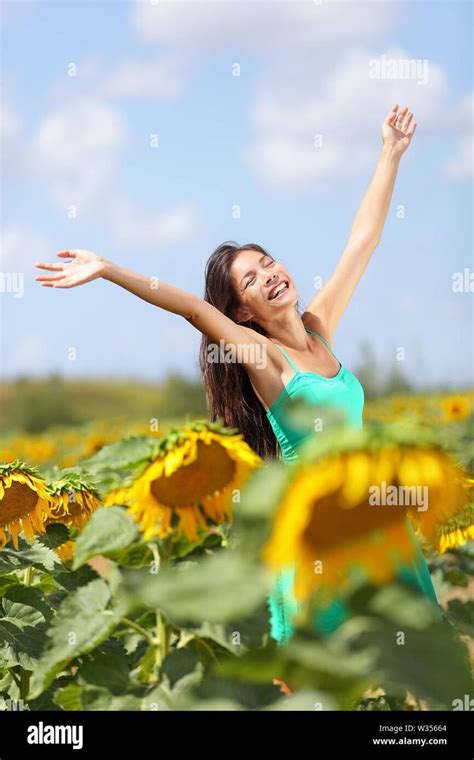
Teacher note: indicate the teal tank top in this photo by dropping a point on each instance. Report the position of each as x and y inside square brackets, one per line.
[343, 396]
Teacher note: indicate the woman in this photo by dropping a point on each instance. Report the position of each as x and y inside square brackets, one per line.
[257, 351]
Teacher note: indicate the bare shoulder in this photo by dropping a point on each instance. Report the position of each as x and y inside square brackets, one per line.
[263, 355]
[264, 366]
[264, 343]
[254, 335]
[313, 322]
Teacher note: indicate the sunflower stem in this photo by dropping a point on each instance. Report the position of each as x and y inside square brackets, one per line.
[15, 677]
[206, 647]
[156, 556]
[28, 576]
[139, 629]
[24, 686]
[161, 639]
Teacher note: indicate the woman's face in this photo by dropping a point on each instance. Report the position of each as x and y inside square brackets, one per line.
[263, 286]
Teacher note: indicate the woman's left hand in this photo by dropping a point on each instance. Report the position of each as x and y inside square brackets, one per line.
[398, 129]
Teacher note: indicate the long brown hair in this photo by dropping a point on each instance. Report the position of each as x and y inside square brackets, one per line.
[229, 393]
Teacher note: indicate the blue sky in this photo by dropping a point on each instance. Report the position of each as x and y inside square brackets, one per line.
[80, 144]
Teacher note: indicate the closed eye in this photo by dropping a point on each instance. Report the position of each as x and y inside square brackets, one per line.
[266, 266]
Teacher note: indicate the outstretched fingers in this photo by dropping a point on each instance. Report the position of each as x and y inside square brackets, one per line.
[389, 119]
[61, 283]
[67, 254]
[49, 278]
[406, 123]
[401, 120]
[64, 284]
[50, 267]
[401, 116]
[59, 266]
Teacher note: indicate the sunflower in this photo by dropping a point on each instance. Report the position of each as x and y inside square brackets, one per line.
[457, 531]
[328, 520]
[410, 404]
[24, 502]
[455, 408]
[65, 551]
[74, 499]
[190, 480]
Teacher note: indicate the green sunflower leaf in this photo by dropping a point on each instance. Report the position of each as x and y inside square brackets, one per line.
[430, 663]
[83, 620]
[28, 555]
[124, 454]
[55, 535]
[84, 697]
[218, 589]
[109, 532]
[461, 615]
[25, 606]
[21, 646]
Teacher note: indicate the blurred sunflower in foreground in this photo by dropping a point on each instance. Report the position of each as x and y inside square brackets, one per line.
[190, 480]
[24, 502]
[331, 518]
[73, 500]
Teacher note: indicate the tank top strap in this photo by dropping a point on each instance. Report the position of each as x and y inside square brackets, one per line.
[324, 341]
[290, 361]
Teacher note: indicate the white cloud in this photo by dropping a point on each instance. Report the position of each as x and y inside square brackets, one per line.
[29, 355]
[460, 117]
[344, 106]
[75, 151]
[228, 25]
[20, 247]
[9, 120]
[462, 165]
[157, 78]
[13, 146]
[144, 228]
[285, 162]
[315, 79]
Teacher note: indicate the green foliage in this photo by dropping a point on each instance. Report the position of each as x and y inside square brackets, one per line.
[36, 405]
[111, 532]
[173, 624]
[83, 620]
[216, 589]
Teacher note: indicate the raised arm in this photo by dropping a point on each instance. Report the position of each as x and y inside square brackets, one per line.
[332, 300]
[84, 266]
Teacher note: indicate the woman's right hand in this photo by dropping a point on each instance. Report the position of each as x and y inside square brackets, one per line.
[84, 266]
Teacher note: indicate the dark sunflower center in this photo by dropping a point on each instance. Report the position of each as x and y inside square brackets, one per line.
[331, 526]
[212, 470]
[18, 501]
[73, 509]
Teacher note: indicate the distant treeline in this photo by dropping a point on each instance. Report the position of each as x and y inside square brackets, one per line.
[33, 405]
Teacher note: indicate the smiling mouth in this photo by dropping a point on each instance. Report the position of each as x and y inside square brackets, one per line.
[278, 289]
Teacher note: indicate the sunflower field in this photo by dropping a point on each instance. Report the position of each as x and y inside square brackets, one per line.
[140, 570]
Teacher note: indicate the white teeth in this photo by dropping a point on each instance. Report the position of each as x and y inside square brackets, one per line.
[279, 290]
